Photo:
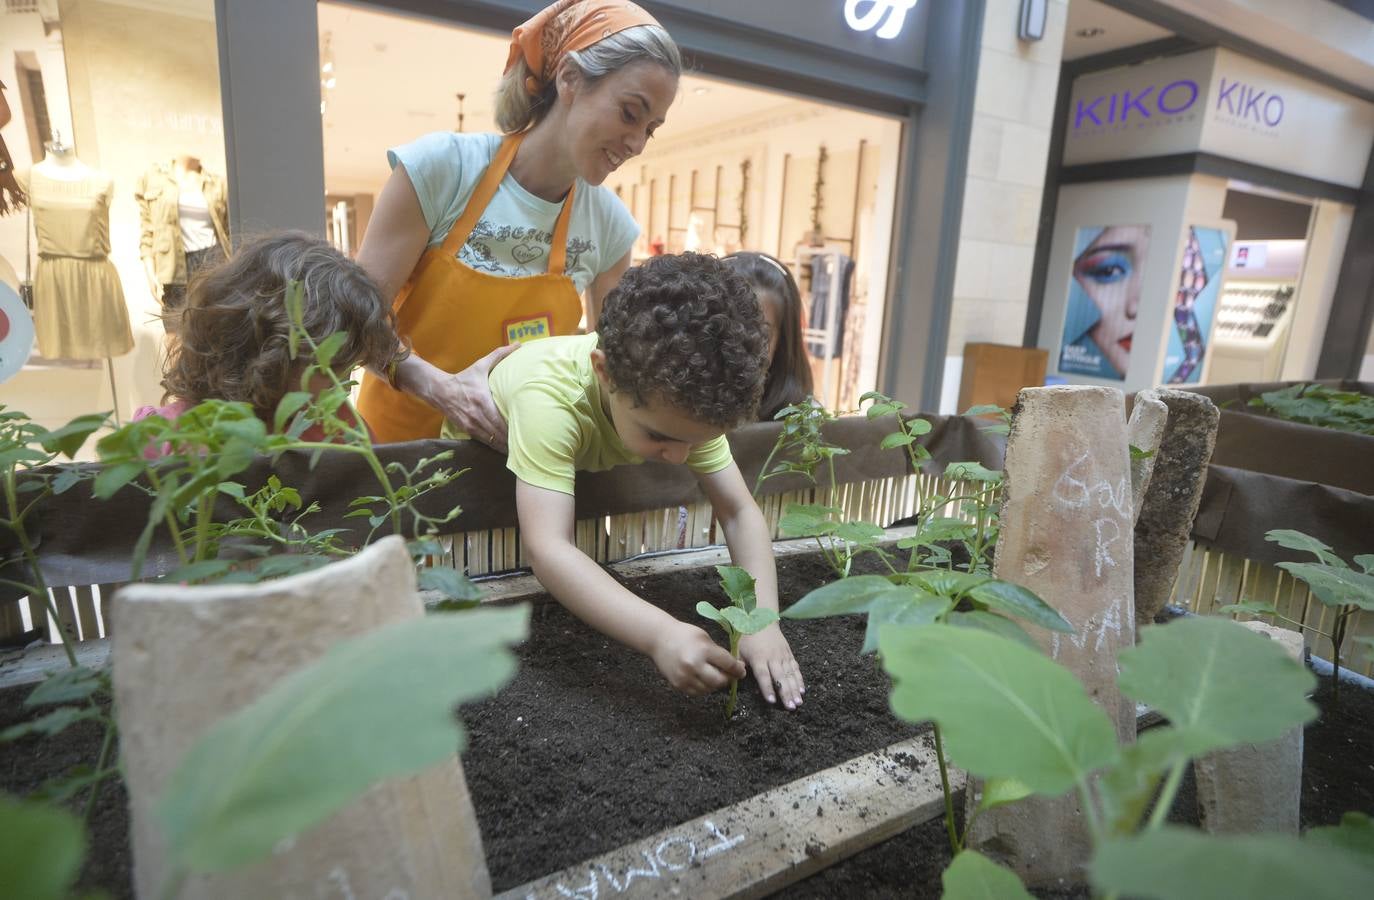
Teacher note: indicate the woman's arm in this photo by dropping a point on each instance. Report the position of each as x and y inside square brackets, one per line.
[601, 286]
[396, 237]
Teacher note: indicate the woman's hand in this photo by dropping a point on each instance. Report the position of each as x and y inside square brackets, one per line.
[464, 398]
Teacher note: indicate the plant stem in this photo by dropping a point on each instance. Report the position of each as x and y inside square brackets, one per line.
[954, 842]
[104, 757]
[1338, 638]
[734, 682]
[31, 557]
[1166, 796]
[763, 473]
[170, 516]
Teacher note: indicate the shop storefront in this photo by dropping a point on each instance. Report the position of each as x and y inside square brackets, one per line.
[115, 112]
[1203, 214]
[801, 129]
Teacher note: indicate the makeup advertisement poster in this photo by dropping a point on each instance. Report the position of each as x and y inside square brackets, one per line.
[1104, 297]
[1195, 304]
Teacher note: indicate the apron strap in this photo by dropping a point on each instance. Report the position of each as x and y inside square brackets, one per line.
[481, 198]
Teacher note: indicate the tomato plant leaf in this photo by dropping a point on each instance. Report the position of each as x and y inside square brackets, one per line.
[848, 595]
[1018, 601]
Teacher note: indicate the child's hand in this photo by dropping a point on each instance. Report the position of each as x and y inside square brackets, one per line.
[692, 662]
[770, 659]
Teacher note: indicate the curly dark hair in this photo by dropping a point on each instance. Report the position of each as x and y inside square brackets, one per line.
[232, 343]
[686, 330]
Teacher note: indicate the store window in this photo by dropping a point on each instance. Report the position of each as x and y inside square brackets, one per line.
[116, 134]
[736, 167]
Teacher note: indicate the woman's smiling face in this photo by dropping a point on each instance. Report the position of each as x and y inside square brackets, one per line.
[1109, 272]
[611, 120]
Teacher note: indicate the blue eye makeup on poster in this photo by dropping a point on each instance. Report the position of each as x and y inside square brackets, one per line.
[1104, 297]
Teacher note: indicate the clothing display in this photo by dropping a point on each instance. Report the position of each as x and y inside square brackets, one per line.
[453, 311]
[824, 268]
[166, 195]
[550, 397]
[79, 309]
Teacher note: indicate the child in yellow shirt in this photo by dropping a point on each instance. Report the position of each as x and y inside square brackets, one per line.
[680, 355]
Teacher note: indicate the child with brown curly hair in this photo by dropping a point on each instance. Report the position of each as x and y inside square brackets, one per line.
[679, 356]
[233, 339]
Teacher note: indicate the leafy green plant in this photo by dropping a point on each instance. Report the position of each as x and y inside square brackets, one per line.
[27, 456]
[42, 849]
[800, 447]
[743, 616]
[962, 600]
[1011, 714]
[1333, 582]
[1315, 404]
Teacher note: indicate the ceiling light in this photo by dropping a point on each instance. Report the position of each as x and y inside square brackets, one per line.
[330, 82]
[701, 90]
[1091, 31]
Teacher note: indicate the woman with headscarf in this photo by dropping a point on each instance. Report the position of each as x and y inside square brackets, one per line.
[486, 240]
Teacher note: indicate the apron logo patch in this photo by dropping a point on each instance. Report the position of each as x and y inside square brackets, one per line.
[520, 330]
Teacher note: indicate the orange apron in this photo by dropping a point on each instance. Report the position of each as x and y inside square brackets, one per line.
[454, 315]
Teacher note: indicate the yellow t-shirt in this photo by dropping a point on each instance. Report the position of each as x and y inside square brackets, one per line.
[551, 400]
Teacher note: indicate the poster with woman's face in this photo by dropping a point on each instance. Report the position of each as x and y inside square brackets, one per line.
[1195, 302]
[1104, 297]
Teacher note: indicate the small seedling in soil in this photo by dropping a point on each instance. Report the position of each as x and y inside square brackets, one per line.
[742, 617]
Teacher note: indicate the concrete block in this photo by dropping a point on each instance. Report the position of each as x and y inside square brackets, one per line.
[185, 657]
[1066, 534]
[1172, 498]
[1257, 787]
[1146, 428]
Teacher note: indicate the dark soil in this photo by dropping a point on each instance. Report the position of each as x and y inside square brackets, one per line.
[589, 749]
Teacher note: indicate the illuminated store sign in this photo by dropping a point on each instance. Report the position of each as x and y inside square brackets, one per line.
[888, 16]
[1225, 104]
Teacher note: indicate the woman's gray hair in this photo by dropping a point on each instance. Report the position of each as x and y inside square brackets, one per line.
[517, 110]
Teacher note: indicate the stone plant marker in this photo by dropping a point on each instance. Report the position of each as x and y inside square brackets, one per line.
[1146, 430]
[1066, 522]
[184, 657]
[1172, 498]
[1257, 787]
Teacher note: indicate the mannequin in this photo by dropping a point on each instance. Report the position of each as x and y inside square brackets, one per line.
[184, 215]
[79, 310]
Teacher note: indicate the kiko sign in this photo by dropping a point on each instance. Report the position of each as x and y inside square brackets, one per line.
[1219, 102]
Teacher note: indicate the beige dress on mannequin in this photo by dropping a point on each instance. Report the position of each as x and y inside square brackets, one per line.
[79, 309]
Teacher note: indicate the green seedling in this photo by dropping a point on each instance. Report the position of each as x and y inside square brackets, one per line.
[800, 447]
[743, 616]
[1333, 582]
[1315, 404]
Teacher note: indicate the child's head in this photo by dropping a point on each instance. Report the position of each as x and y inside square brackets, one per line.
[789, 373]
[233, 341]
[683, 350]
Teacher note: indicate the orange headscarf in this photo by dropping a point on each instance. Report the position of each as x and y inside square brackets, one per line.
[568, 25]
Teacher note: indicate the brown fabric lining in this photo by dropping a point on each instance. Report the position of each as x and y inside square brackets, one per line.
[82, 541]
[1248, 438]
[89, 542]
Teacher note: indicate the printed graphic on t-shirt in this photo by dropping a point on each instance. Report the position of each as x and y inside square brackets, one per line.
[512, 250]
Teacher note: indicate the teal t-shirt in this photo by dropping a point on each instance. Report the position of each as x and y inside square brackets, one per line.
[513, 235]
